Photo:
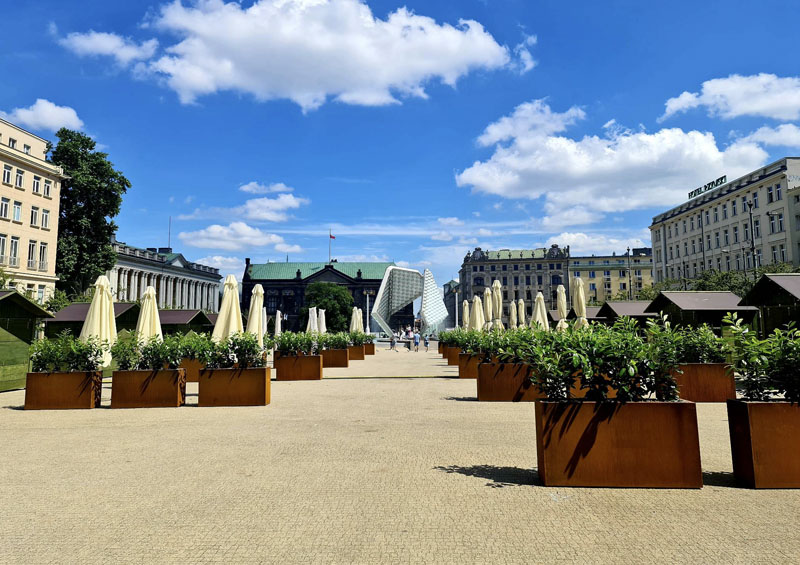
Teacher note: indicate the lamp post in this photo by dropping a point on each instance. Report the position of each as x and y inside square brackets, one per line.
[752, 238]
[630, 279]
[368, 293]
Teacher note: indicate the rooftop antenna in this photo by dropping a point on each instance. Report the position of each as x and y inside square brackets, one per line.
[287, 257]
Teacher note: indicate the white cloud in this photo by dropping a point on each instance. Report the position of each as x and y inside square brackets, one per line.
[44, 115]
[123, 49]
[287, 248]
[765, 95]
[522, 51]
[226, 265]
[256, 209]
[468, 240]
[483, 232]
[581, 243]
[363, 257]
[254, 187]
[785, 135]
[442, 236]
[619, 171]
[451, 221]
[307, 51]
[233, 237]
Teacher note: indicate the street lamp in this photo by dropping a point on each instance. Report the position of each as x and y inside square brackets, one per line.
[630, 279]
[752, 238]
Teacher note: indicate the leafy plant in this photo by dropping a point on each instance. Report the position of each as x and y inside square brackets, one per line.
[66, 353]
[126, 353]
[750, 359]
[296, 343]
[196, 345]
[339, 340]
[360, 338]
[238, 350]
[700, 345]
[784, 363]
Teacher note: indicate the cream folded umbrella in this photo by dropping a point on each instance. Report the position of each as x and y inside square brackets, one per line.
[540, 313]
[264, 320]
[229, 319]
[354, 320]
[465, 314]
[148, 325]
[360, 321]
[100, 322]
[497, 305]
[512, 316]
[561, 305]
[278, 320]
[255, 320]
[487, 308]
[311, 326]
[521, 313]
[476, 314]
[579, 304]
[321, 325]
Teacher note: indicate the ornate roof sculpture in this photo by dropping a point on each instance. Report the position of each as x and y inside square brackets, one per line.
[400, 287]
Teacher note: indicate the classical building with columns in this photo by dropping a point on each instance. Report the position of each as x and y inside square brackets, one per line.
[179, 283]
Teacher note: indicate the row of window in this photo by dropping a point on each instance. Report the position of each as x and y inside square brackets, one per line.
[593, 274]
[9, 253]
[776, 225]
[492, 268]
[40, 218]
[554, 279]
[12, 144]
[37, 187]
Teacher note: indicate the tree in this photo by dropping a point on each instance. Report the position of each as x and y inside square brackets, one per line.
[57, 302]
[734, 281]
[6, 280]
[90, 198]
[335, 299]
[650, 292]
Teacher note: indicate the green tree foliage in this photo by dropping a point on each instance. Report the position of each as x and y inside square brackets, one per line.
[335, 299]
[90, 198]
[6, 280]
[650, 292]
[57, 302]
[734, 281]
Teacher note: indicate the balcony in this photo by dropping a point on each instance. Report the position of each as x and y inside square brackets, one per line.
[3, 259]
[42, 265]
[13, 261]
[32, 264]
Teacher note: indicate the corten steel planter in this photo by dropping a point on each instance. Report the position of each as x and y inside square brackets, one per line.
[356, 352]
[441, 348]
[300, 368]
[63, 391]
[506, 382]
[452, 355]
[637, 444]
[765, 443]
[369, 349]
[192, 368]
[335, 358]
[468, 365]
[148, 389]
[234, 387]
[706, 382]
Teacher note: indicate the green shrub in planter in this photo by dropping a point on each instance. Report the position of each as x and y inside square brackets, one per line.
[66, 354]
[339, 340]
[240, 350]
[296, 343]
[155, 355]
[196, 345]
[700, 345]
[360, 338]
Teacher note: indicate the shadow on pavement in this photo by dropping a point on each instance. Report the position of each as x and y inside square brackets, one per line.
[719, 479]
[499, 477]
[462, 398]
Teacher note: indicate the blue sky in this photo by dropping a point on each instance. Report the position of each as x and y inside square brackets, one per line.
[414, 131]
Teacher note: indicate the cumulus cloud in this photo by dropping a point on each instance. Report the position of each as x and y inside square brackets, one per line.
[618, 171]
[254, 187]
[785, 135]
[123, 49]
[256, 209]
[223, 263]
[233, 237]
[44, 115]
[451, 221]
[765, 95]
[307, 51]
[442, 236]
[581, 243]
[525, 61]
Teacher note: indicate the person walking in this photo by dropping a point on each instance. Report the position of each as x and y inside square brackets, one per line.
[416, 342]
[426, 344]
[393, 343]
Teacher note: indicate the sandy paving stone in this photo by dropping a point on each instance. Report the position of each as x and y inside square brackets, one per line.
[353, 470]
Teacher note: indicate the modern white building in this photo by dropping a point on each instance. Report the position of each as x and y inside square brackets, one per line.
[734, 225]
[179, 283]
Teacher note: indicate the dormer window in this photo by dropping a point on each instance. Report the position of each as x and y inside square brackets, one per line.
[12, 143]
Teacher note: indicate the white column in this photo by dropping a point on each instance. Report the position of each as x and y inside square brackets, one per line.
[196, 294]
[134, 285]
[184, 293]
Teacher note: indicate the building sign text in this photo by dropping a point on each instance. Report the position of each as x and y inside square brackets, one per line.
[706, 187]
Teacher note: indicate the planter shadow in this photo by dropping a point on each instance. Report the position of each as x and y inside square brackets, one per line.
[719, 479]
[461, 398]
[499, 477]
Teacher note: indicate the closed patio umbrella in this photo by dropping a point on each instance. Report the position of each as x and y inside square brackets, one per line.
[229, 319]
[255, 320]
[311, 326]
[521, 313]
[360, 321]
[487, 308]
[512, 315]
[465, 314]
[264, 320]
[354, 320]
[278, 320]
[322, 327]
[579, 303]
[100, 322]
[148, 325]
[476, 314]
[561, 305]
[540, 313]
[497, 305]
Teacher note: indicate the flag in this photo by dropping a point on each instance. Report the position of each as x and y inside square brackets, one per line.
[332, 236]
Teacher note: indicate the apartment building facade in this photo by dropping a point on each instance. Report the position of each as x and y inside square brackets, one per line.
[609, 276]
[734, 225]
[29, 206]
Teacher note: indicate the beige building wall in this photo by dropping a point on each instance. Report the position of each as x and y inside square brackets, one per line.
[29, 205]
[606, 276]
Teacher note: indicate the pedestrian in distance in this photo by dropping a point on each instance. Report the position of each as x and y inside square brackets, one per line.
[416, 342]
[426, 344]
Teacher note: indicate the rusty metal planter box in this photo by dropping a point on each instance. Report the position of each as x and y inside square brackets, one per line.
[148, 389]
[637, 444]
[192, 368]
[765, 443]
[369, 349]
[300, 368]
[234, 387]
[63, 391]
[506, 382]
[468, 365]
[706, 382]
[441, 348]
[335, 358]
[356, 352]
[452, 355]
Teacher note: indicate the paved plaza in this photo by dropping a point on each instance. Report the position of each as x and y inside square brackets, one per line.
[353, 470]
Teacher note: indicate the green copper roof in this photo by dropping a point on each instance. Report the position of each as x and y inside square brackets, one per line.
[285, 271]
[517, 254]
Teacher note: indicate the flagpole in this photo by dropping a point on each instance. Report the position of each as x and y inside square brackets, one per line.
[329, 245]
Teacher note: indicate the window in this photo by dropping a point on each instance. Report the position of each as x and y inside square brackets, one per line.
[780, 221]
[34, 216]
[577, 274]
[719, 264]
[727, 262]
[477, 281]
[516, 281]
[48, 185]
[708, 241]
[6, 174]
[505, 281]
[558, 266]
[538, 266]
[669, 232]
[528, 280]
[4, 202]
[20, 178]
[716, 239]
[736, 234]
[516, 267]
[725, 237]
[12, 143]
[694, 247]
[685, 250]
[40, 294]
[716, 214]
[37, 183]
[700, 243]
[505, 267]
[31, 254]
[738, 263]
[747, 260]
[17, 217]
[774, 254]
[724, 211]
[26, 149]
[772, 223]
[552, 267]
[528, 267]
[606, 273]
[733, 207]
[13, 252]
[2, 249]
[592, 286]
[671, 253]
[480, 268]
[623, 274]
[42, 256]
[684, 226]
[756, 227]
[623, 286]
[474, 268]
[759, 258]
[778, 193]
[539, 280]
[638, 272]
[755, 199]
[691, 223]
[491, 268]
[747, 232]
[770, 195]
[707, 216]
[782, 249]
